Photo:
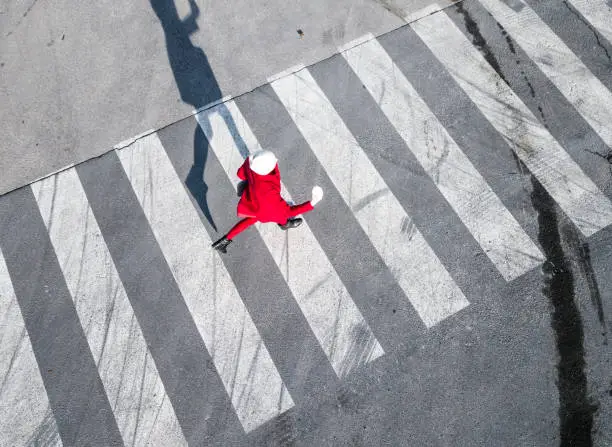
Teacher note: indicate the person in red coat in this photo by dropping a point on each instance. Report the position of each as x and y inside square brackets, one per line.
[261, 201]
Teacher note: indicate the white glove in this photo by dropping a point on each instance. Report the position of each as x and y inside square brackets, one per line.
[317, 195]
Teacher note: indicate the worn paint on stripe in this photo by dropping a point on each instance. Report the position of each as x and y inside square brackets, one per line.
[598, 13]
[135, 391]
[25, 414]
[419, 272]
[565, 70]
[482, 212]
[338, 325]
[571, 188]
[238, 352]
[192, 383]
[70, 376]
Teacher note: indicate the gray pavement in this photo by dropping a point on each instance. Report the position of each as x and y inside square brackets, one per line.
[526, 363]
[76, 79]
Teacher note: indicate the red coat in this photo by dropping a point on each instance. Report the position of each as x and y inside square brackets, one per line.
[262, 199]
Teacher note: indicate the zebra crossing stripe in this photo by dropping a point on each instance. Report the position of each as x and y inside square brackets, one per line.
[135, 391]
[484, 215]
[564, 69]
[598, 13]
[25, 414]
[344, 335]
[238, 352]
[571, 188]
[426, 282]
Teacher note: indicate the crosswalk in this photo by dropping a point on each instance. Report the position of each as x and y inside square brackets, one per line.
[240, 356]
[496, 231]
[575, 193]
[110, 263]
[132, 383]
[412, 261]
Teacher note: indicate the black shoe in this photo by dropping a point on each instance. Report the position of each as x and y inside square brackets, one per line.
[221, 244]
[291, 223]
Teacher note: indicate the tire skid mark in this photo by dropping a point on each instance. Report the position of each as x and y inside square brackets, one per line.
[479, 41]
[575, 410]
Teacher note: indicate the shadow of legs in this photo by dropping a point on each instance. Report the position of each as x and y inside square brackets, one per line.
[195, 179]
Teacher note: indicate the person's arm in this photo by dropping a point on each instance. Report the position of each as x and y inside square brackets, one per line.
[295, 210]
[241, 171]
[190, 23]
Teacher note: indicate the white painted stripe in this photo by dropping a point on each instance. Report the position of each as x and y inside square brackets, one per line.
[25, 415]
[135, 391]
[598, 13]
[573, 79]
[419, 272]
[570, 187]
[338, 325]
[484, 215]
[237, 350]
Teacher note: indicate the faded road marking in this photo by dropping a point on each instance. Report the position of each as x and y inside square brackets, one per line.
[570, 187]
[135, 391]
[482, 212]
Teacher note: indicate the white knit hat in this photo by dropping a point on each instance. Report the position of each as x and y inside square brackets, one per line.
[262, 162]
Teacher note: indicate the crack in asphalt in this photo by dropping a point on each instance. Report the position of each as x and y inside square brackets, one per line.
[607, 157]
[583, 251]
[24, 15]
[589, 26]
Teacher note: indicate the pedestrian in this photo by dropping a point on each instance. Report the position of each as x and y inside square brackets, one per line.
[260, 199]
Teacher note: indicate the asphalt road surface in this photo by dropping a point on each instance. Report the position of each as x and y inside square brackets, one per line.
[453, 288]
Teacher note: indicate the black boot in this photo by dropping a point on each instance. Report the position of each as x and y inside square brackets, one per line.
[221, 244]
[291, 223]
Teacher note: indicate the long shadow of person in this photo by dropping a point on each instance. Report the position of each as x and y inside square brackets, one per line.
[197, 86]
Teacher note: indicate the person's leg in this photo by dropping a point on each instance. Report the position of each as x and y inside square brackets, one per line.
[221, 244]
[240, 227]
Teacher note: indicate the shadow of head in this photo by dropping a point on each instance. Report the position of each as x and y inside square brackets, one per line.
[192, 72]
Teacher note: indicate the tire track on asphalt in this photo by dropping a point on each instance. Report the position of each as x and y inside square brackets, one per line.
[575, 410]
